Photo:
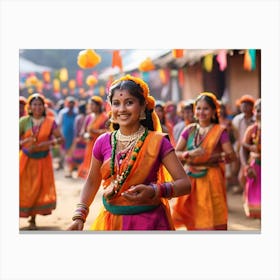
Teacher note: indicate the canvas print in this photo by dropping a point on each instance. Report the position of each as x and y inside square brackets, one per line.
[140, 140]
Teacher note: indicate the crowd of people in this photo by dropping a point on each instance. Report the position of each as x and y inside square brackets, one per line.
[161, 165]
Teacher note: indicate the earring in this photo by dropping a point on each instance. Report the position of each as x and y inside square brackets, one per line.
[142, 116]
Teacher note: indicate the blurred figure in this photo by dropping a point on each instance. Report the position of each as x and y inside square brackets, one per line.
[226, 121]
[159, 109]
[22, 104]
[204, 147]
[187, 118]
[251, 158]
[38, 133]
[240, 123]
[66, 118]
[94, 125]
[78, 148]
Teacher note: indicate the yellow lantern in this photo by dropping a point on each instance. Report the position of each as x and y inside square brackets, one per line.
[72, 84]
[88, 58]
[91, 80]
[63, 75]
[56, 85]
[39, 86]
[208, 62]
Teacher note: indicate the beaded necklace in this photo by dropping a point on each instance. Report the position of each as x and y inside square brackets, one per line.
[199, 137]
[120, 178]
[35, 127]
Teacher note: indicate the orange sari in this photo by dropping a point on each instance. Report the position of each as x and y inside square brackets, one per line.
[108, 219]
[97, 123]
[37, 185]
[205, 208]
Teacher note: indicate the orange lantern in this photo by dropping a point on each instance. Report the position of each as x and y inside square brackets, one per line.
[146, 65]
[72, 84]
[177, 53]
[88, 59]
[46, 76]
[91, 80]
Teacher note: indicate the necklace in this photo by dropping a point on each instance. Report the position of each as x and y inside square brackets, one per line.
[35, 129]
[200, 134]
[132, 137]
[119, 179]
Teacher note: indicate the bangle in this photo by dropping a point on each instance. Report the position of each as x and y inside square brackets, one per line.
[81, 212]
[166, 189]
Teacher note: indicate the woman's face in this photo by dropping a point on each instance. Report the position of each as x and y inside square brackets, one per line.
[126, 109]
[37, 107]
[204, 112]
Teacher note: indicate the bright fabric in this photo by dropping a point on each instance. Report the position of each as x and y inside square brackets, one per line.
[158, 215]
[37, 185]
[205, 208]
[252, 191]
[97, 123]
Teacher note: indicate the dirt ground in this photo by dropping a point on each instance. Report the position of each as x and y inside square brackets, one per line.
[68, 191]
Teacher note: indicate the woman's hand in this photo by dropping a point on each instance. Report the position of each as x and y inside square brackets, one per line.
[78, 224]
[139, 193]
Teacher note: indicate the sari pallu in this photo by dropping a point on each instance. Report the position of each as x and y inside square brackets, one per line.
[121, 214]
[98, 123]
[205, 208]
[37, 185]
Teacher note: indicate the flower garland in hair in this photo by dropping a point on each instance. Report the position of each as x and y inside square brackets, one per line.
[146, 91]
[214, 98]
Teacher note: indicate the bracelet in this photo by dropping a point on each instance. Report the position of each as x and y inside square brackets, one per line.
[81, 212]
[166, 189]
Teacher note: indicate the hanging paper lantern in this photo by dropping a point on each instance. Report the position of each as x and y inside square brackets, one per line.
[247, 64]
[177, 53]
[72, 84]
[63, 75]
[46, 76]
[79, 78]
[117, 60]
[32, 80]
[146, 65]
[88, 58]
[56, 85]
[162, 76]
[208, 62]
[39, 86]
[91, 80]
[222, 59]
[181, 77]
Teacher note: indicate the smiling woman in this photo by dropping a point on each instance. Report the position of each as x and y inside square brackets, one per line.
[132, 200]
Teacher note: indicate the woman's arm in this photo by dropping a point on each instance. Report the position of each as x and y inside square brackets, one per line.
[89, 191]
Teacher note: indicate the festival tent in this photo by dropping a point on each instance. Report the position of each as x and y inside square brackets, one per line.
[27, 66]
